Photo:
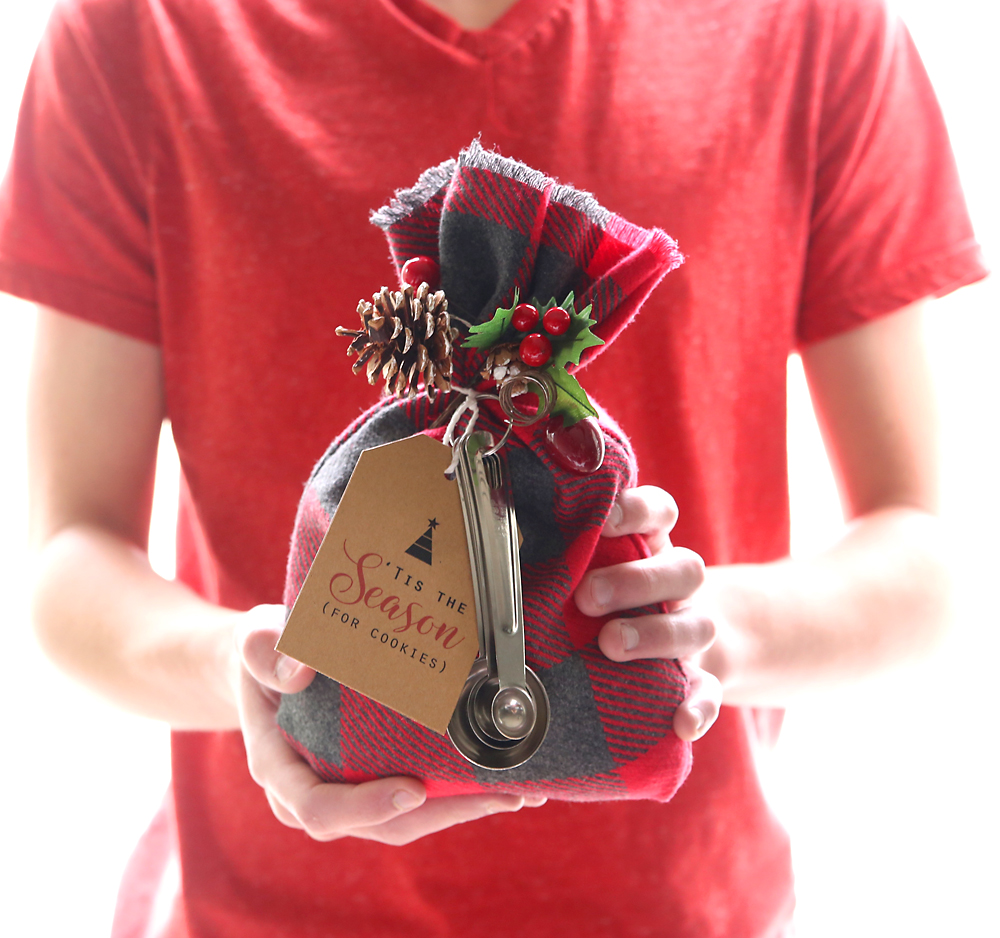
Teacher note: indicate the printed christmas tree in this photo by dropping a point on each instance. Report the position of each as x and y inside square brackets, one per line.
[421, 548]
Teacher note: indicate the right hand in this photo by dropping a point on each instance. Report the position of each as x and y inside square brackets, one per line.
[390, 810]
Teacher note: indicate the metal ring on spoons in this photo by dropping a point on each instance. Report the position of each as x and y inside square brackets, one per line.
[539, 384]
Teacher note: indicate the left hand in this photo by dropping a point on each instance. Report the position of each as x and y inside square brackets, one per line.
[672, 576]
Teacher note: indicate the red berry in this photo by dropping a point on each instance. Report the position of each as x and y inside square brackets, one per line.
[525, 317]
[579, 448]
[418, 270]
[535, 350]
[556, 320]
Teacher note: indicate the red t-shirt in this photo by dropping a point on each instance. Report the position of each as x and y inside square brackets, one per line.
[198, 173]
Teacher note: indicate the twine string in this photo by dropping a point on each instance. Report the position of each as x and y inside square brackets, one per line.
[470, 404]
[539, 383]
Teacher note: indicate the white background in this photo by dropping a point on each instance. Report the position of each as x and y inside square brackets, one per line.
[889, 789]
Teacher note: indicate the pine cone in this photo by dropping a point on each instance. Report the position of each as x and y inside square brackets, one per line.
[503, 361]
[407, 337]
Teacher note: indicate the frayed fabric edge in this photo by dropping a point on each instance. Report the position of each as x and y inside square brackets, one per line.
[476, 157]
[578, 199]
[583, 202]
[407, 201]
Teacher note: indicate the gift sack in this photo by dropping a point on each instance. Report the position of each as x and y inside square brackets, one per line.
[499, 229]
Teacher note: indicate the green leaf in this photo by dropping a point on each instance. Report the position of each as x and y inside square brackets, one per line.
[489, 333]
[566, 304]
[571, 400]
[568, 348]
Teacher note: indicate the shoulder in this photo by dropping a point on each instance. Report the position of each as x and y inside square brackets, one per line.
[856, 23]
[845, 10]
[119, 27]
[90, 65]
[821, 21]
[779, 27]
[94, 19]
[92, 41]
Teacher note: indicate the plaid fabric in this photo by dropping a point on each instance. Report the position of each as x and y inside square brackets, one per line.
[496, 226]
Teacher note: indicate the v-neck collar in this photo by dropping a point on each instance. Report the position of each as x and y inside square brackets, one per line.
[513, 27]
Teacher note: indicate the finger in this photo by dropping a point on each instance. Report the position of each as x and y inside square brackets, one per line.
[330, 810]
[256, 635]
[281, 812]
[438, 814]
[323, 809]
[268, 753]
[694, 717]
[669, 576]
[677, 634]
[646, 510]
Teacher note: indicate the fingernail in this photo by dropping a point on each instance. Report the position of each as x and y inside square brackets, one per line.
[405, 800]
[285, 668]
[601, 590]
[699, 720]
[497, 807]
[630, 637]
[615, 516]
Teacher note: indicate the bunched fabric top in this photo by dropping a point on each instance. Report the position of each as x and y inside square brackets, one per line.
[501, 229]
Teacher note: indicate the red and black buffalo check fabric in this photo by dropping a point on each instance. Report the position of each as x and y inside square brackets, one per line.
[497, 226]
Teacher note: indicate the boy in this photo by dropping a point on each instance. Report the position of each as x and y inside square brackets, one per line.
[191, 184]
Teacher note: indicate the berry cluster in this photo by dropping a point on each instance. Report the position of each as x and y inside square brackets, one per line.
[536, 348]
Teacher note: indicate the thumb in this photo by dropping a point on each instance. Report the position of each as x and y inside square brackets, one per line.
[256, 634]
[699, 710]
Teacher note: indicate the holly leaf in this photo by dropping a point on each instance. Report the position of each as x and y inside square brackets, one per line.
[489, 333]
[576, 339]
[571, 400]
[566, 304]
[567, 348]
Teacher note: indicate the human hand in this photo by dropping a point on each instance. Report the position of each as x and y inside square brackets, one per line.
[671, 575]
[389, 810]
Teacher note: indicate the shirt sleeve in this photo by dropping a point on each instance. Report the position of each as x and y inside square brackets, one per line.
[889, 224]
[74, 230]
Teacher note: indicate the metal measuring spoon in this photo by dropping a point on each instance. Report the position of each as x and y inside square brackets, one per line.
[502, 715]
